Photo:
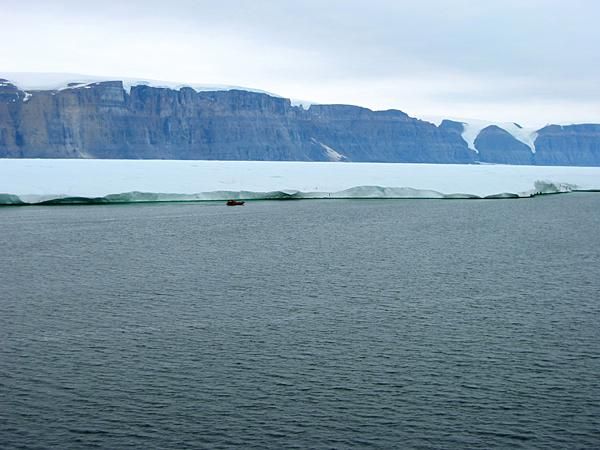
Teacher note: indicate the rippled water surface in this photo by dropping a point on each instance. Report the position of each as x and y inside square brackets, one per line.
[309, 324]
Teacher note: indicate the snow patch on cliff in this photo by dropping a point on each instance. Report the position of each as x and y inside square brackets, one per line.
[332, 155]
[304, 104]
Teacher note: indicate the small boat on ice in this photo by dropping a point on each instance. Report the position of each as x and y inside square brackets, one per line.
[234, 203]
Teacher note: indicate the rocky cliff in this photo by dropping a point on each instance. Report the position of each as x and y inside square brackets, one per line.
[106, 120]
[572, 145]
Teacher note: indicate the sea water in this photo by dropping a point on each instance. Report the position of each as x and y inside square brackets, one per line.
[302, 324]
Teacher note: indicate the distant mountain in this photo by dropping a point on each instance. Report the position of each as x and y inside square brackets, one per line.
[91, 118]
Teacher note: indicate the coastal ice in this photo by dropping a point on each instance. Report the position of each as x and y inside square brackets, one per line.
[42, 180]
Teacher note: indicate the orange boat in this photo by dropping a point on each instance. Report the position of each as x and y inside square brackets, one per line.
[234, 203]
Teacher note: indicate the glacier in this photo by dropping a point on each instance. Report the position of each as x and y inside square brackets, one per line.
[473, 127]
[39, 181]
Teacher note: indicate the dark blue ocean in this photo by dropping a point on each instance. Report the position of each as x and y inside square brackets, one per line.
[302, 324]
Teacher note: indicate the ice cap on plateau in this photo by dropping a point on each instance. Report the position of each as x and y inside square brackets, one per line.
[34, 81]
[54, 81]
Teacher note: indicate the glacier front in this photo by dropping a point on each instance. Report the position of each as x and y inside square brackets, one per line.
[34, 181]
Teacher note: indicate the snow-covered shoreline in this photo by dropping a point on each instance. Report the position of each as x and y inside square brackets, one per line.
[39, 180]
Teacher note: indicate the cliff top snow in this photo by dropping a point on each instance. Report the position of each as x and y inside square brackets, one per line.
[54, 81]
[33, 81]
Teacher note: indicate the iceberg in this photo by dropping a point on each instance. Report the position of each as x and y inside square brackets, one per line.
[72, 181]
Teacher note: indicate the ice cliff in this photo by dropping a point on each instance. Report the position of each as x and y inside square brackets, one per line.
[116, 181]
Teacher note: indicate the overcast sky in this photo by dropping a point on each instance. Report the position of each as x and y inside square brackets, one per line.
[530, 61]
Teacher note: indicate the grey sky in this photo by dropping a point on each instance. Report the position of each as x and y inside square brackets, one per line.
[532, 61]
